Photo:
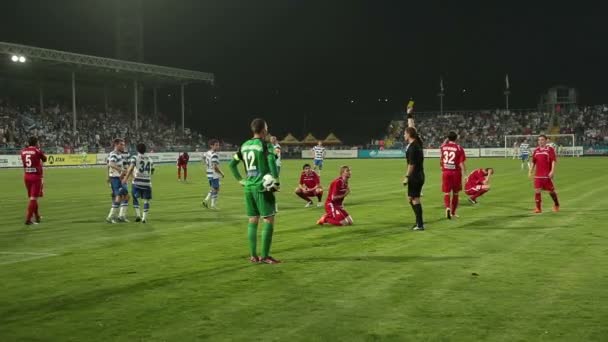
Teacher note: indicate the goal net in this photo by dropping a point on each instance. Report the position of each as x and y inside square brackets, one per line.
[564, 144]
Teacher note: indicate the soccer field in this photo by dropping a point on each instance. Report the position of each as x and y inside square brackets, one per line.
[498, 273]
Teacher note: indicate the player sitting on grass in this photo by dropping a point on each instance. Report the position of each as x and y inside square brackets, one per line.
[335, 214]
[478, 183]
[310, 186]
[142, 167]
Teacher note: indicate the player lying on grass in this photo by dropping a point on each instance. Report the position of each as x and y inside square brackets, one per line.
[310, 186]
[478, 183]
[335, 214]
[259, 161]
[142, 167]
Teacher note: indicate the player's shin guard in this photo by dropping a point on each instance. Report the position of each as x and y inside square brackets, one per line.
[320, 197]
[554, 197]
[179, 173]
[267, 238]
[208, 195]
[418, 211]
[446, 200]
[30, 210]
[252, 235]
[214, 199]
[114, 209]
[454, 203]
[538, 200]
[146, 209]
[302, 196]
[185, 174]
[124, 205]
[136, 206]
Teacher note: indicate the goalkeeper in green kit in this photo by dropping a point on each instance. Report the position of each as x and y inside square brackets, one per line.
[258, 156]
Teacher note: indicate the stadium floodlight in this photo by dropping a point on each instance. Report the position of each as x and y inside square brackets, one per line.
[22, 59]
[15, 58]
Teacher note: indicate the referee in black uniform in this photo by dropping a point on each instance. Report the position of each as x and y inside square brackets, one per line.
[414, 176]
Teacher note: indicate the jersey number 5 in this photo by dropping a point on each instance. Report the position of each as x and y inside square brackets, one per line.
[28, 160]
[448, 157]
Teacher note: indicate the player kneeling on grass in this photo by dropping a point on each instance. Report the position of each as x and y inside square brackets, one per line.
[478, 183]
[310, 186]
[335, 214]
[142, 168]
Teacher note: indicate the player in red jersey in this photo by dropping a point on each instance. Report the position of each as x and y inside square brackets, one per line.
[182, 163]
[335, 214]
[32, 158]
[310, 186]
[452, 158]
[543, 169]
[478, 183]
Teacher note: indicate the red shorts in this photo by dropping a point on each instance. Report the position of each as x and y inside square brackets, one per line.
[34, 187]
[544, 184]
[474, 190]
[184, 166]
[451, 181]
[336, 212]
[309, 193]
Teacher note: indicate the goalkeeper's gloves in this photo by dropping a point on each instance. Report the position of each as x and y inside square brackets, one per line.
[242, 182]
[405, 181]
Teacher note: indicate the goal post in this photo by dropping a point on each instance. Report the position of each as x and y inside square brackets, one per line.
[564, 144]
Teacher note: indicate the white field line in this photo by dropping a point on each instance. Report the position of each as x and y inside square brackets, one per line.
[29, 256]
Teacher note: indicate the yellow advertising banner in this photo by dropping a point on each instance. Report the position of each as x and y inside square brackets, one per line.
[70, 159]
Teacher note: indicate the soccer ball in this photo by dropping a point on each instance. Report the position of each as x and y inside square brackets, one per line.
[270, 183]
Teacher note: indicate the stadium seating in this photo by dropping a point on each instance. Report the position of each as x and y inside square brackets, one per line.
[488, 128]
[95, 129]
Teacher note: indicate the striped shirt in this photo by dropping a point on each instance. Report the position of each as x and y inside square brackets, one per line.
[115, 158]
[211, 160]
[319, 152]
[277, 151]
[143, 167]
[524, 149]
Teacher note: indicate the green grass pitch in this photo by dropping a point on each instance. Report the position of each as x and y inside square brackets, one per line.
[498, 273]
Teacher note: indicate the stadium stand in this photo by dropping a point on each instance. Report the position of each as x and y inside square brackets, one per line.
[488, 128]
[95, 129]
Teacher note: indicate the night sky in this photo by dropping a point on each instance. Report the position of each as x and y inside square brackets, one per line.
[299, 63]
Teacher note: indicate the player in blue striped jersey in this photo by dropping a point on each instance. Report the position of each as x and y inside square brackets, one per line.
[142, 168]
[115, 180]
[524, 154]
[211, 160]
[319, 155]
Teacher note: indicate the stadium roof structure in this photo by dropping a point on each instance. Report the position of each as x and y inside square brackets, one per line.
[95, 67]
[290, 140]
[310, 139]
[332, 140]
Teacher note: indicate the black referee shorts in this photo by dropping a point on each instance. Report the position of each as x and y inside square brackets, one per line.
[414, 185]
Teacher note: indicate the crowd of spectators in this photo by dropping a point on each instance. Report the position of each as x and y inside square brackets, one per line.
[95, 129]
[488, 128]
